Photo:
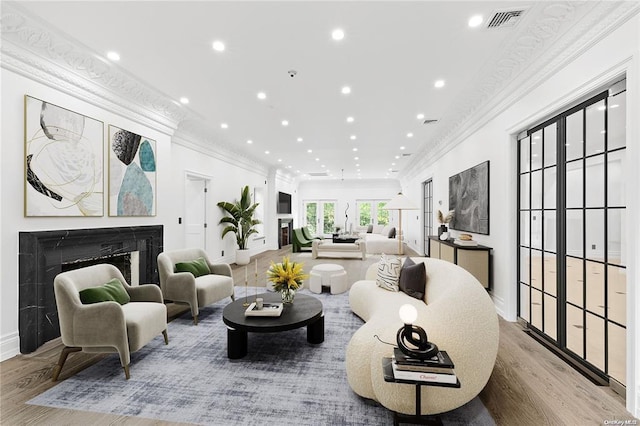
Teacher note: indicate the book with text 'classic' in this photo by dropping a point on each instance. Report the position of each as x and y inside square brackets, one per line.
[423, 377]
[441, 359]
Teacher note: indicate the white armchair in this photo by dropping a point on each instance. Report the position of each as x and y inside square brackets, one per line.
[106, 326]
[184, 287]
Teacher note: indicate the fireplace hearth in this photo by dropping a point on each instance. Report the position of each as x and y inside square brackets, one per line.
[45, 254]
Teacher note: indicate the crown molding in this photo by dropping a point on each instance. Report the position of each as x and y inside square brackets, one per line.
[197, 136]
[535, 53]
[30, 47]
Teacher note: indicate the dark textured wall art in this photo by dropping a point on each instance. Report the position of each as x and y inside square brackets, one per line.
[132, 174]
[469, 197]
[63, 162]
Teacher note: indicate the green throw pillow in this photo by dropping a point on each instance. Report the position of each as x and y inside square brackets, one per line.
[112, 291]
[197, 267]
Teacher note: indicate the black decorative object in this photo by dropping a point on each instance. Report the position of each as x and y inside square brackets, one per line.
[469, 198]
[412, 339]
[442, 229]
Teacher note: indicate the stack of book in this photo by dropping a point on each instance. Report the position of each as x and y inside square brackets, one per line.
[438, 369]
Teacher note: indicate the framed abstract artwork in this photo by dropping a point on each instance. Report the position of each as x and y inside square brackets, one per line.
[132, 174]
[64, 157]
[469, 198]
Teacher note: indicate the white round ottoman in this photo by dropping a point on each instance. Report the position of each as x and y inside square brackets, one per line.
[328, 275]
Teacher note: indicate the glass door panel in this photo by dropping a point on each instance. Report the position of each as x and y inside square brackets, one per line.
[311, 217]
[572, 275]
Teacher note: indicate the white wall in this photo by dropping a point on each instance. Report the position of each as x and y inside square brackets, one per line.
[615, 55]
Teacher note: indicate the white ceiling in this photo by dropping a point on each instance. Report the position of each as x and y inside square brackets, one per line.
[391, 55]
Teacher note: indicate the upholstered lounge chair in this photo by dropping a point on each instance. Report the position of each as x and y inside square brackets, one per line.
[308, 235]
[300, 241]
[106, 326]
[184, 287]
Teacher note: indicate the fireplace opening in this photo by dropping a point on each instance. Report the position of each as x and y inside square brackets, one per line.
[285, 231]
[125, 262]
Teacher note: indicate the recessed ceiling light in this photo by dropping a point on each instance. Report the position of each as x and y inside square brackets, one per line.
[352, 137]
[397, 156]
[285, 123]
[355, 149]
[409, 135]
[420, 116]
[357, 165]
[267, 152]
[393, 164]
[475, 21]
[317, 159]
[279, 160]
[350, 119]
[346, 90]
[309, 151]
[288, 167]
[439, 83]
[224, 125]
[184, 100]
[402, 147]
[323, 166]
[358, 170]
[356, 158]
[337, 34]
[114, 56]
[262, 95]
[249, 141]
[218, 46]
[299, 139]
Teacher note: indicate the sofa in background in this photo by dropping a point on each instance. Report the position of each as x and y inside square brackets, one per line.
[458, 316]
[338, 250]
[381, 240]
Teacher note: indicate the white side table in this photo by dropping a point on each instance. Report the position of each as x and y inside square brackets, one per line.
[328, 275]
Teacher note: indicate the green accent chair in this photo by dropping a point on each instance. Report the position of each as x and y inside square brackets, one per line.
[307, 234]
[299, 241]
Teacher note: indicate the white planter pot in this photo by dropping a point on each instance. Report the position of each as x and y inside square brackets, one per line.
[242, 257]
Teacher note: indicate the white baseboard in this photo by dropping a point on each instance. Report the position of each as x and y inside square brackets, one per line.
[9, 346]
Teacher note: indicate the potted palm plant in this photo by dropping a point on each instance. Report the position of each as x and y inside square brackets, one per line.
[239, 220]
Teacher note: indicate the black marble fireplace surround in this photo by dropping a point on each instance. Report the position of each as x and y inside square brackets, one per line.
[42, 255]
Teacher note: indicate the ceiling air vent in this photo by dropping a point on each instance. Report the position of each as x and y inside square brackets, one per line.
[316, 174]
[406, 154]
[505, 18]
[429, 121]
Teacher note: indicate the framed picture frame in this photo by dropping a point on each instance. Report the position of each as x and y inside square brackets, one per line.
[64, 161]
[469, 198]
[132, 174]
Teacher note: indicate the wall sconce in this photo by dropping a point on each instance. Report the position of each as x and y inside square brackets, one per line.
[412, 339]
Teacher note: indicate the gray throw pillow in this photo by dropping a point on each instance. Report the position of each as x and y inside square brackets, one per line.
[392, 233]
[413, 279]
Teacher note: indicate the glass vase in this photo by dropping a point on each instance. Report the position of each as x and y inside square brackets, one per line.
[287, 295]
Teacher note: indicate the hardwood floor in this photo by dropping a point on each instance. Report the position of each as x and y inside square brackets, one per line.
[529, 385]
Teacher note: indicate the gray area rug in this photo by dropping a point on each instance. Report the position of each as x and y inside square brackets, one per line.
[282, 381]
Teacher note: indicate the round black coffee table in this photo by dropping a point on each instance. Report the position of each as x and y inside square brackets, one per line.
[305, 310]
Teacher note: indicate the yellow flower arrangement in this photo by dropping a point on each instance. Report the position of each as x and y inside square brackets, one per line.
[286, 275]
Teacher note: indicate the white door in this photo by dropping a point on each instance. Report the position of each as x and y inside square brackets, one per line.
[195, 212]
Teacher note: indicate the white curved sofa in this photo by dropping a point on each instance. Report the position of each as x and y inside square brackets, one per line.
[459, 317]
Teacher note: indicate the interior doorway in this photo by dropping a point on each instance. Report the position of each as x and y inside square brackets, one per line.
[195, 213]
